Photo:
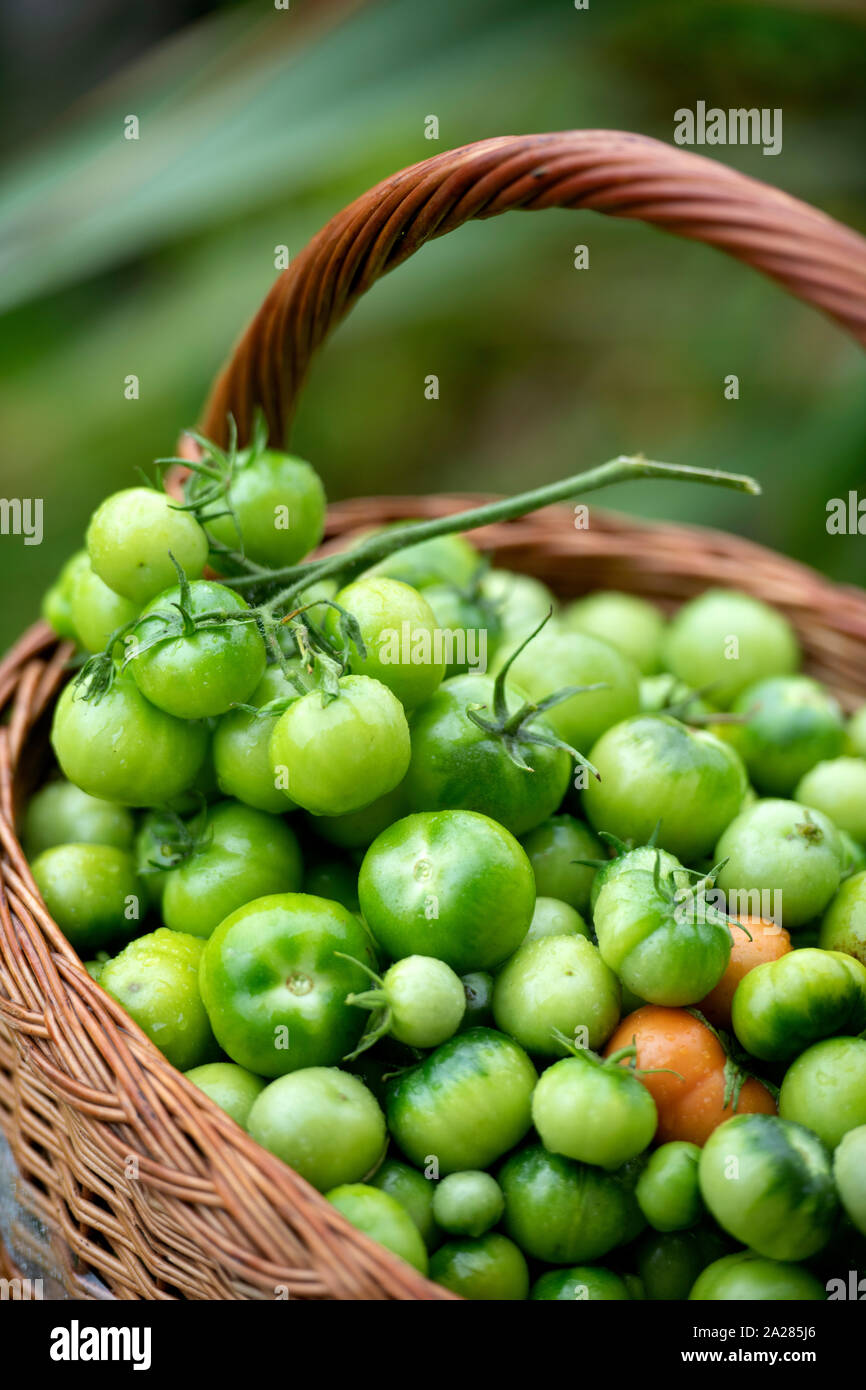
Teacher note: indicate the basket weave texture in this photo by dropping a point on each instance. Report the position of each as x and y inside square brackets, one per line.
[132, 1184]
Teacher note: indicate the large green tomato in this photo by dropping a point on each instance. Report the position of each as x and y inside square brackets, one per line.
[631, 624]
[725, 641]
[825, 1088]
[132, 537]
[556, 850]
[202, 673]
[556, 984]
[92, 892]
[785, 1005]
[229, 1086]
[122, 748]
[241, 747]
[274, 981]
[656, 771]
[465, 1105]
[593, 1110]
[792, 723]
[96, 610]
[750, 1278]
[61, 814]
[665, 946]
[555, 660]
[381, 1217]
[155, 978]
[451, 884]
[337, 755]
[838, 788]
[323, 1122]
[667, 1191]
[849, 1171]
[768, 1183]
[844, 925]
[456, 765]
[490, 1268]
[563, 1212]
[279, 509]
[784, 852]
[243, 854]
[403, 645]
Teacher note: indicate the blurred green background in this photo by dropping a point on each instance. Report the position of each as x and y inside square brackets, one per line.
[257, 124]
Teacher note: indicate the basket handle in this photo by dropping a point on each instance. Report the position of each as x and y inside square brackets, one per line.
[620, 174]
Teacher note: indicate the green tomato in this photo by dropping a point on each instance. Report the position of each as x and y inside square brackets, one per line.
[202, 673]
[442, 560]
[849, 1172]
[768, 1182]
[665, 946]
[155, 978]
[554, 918]
[243, 855]
[792, 723]
[91, 891]
[667, 1190]
[122, 748]
[825, 1088]
[843, 927]
[424, 999]
[656, 771]
[279, 509]
[323, 1122]
[60, 814]
[358, 829]
[241, 747]
[478, 992]
[783, 1006]
[467, 1203]
[556, 984]
[465, 1105]
[490, 1268]
[520, 601]
[132, 538]
[838, 788]
[97, 611]
[456, 765]
[57, 601]
[333, 878]
[555, 660]
[404, 648]
[668, 1263]
[593, 1110]
[274, 981]
[725, 641]
[779, 848]
[631, 624]
[556, 849]
[560, 1211]
[470, 627]
[338, 755]
[450, 884]
[855, 733]
[747, 1277]
[382, 1218]
[590, 1283]
[413, 1192]
[229, 1086]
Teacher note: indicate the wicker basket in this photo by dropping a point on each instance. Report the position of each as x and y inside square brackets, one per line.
[131, 1183]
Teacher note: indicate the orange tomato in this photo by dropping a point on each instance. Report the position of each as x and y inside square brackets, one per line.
[690, 1104]
[768, 942]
